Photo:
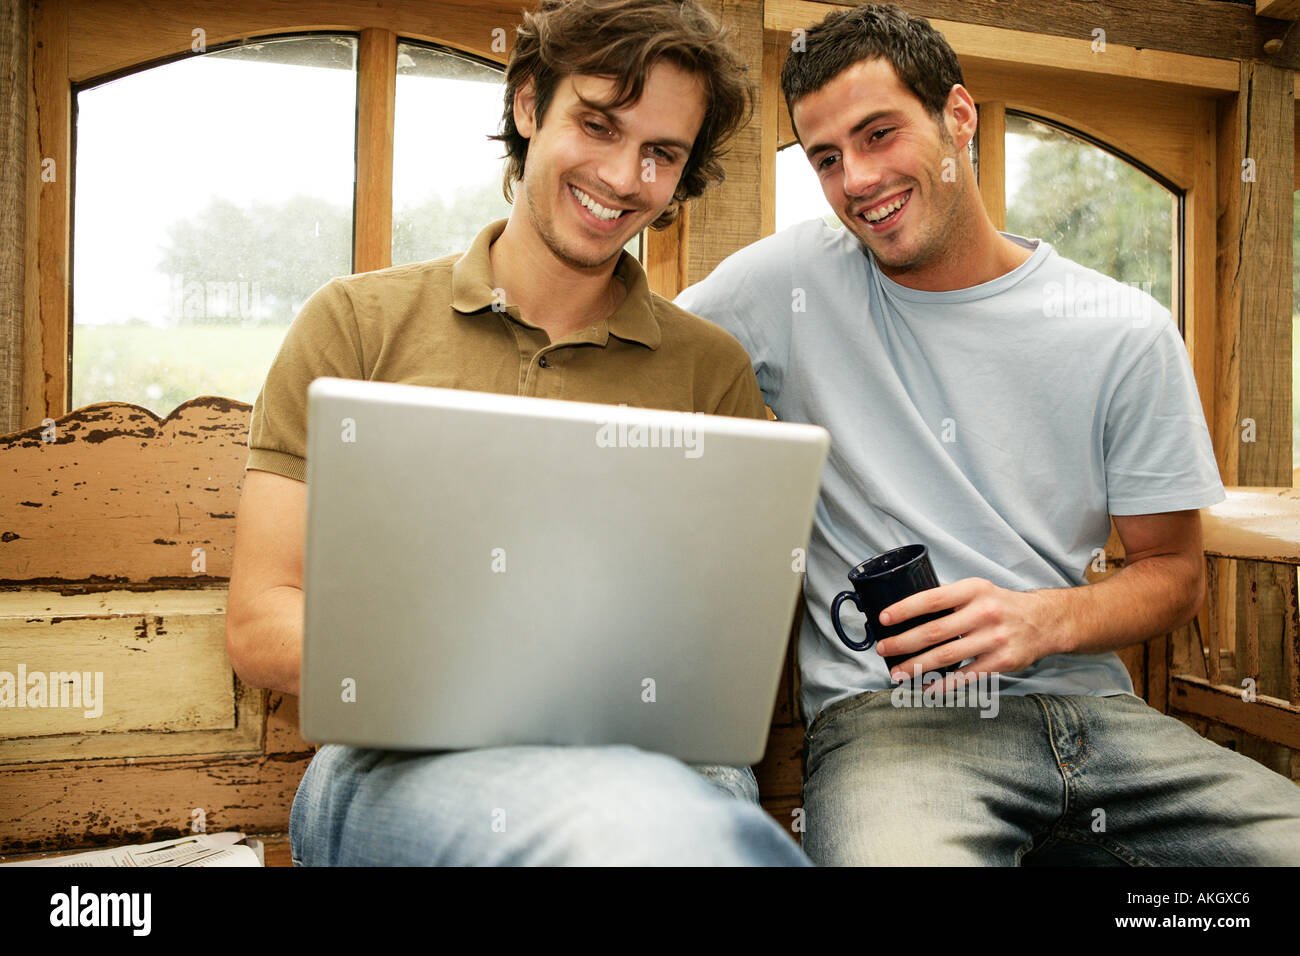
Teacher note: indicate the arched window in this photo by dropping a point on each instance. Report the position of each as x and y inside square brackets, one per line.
[1101, 210]
[1092, 206]
[195, 248]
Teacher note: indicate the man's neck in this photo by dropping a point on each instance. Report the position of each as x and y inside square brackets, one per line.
[973, 255]
[552, 294]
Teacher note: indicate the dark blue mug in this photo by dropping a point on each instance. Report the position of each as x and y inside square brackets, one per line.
[884, 580]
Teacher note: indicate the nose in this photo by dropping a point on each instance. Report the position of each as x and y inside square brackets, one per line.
[620, 170]
[861, 174]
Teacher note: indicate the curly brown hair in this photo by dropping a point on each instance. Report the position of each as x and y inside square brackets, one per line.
[621, 40]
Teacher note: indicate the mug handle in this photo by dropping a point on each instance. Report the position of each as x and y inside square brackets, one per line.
[835, 619]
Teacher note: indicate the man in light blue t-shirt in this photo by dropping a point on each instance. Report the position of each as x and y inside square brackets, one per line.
[999, 404]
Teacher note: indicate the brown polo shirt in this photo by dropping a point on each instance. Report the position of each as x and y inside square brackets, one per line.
[433, 323]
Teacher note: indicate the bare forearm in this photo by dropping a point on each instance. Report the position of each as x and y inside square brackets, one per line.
[266, 649]
[1138, 602]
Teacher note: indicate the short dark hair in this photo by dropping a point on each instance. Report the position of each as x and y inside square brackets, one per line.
[621, 40]
[919, 54]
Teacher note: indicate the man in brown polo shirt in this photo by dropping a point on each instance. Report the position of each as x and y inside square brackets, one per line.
[547, 304]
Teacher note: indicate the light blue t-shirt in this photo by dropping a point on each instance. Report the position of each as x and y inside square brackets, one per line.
[999, 425]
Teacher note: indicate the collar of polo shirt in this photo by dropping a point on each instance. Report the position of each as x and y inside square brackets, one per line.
[634, 319]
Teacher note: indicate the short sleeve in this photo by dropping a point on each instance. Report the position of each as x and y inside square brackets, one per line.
[743, 399]
[1157, 448]
[745, 296]
[322, 341]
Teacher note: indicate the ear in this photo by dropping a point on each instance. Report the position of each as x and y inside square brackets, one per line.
[960, 115]
[525, 108]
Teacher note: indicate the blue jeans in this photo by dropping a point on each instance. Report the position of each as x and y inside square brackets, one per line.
[1049, 779]
[518, 806]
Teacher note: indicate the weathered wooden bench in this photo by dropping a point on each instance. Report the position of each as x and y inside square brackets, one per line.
[116, 534]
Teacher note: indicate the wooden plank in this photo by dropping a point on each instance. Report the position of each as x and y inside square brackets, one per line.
[1157, 672]
[772, 105]
[1210, 625]
[781, 772]
[77, 804]
[1267, 717]
[120, 497]
[991, 148]
[1208, 28]
[1248, 664]
[16, 172]
[1225, 430]
[1216, 632]
[168, 687]
[1291, 632]
[1259, 296]
[1258, 524]
[46, 343]
[376, 117]
[1278, 9]
[729, 215]
[1037, 47]
[110, 36]
[1200, 212]
[783, 811]
[136, 673]
[666, 255]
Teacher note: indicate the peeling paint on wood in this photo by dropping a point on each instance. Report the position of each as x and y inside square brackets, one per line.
[111, 500]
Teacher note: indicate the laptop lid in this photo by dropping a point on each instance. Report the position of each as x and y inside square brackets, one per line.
[487, 570]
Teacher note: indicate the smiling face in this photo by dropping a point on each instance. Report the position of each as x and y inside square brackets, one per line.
[594, 178]
[880, 158]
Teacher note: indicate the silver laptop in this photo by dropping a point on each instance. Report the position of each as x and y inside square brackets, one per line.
[486, 570]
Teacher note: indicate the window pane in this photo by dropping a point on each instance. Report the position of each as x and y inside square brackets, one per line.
[213, 196]
[446, 172]
[1092, 207]
[798, 191]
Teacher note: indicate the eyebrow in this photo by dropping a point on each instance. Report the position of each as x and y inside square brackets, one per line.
[858, 127]
[612, 120]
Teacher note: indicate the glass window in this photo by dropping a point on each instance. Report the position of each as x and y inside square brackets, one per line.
[213, 195]
[1093, 207]
[799, 193]
[446, 172]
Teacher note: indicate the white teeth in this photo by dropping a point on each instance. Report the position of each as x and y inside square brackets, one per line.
[876, 215]
[597, 210]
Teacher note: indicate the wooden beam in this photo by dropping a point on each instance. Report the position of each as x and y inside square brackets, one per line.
[666, 255]
[1254, 524]
[1207, 28]
[15, 174]
[47, 345]
[991, 148]
[376, 117]
[110, 36]
[1278, 9]
[770, 111]
[729, 215]
[1267, 717]
[1198, 302]
[1069, 53]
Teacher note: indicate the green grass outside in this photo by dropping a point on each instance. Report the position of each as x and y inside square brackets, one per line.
[163, 368]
